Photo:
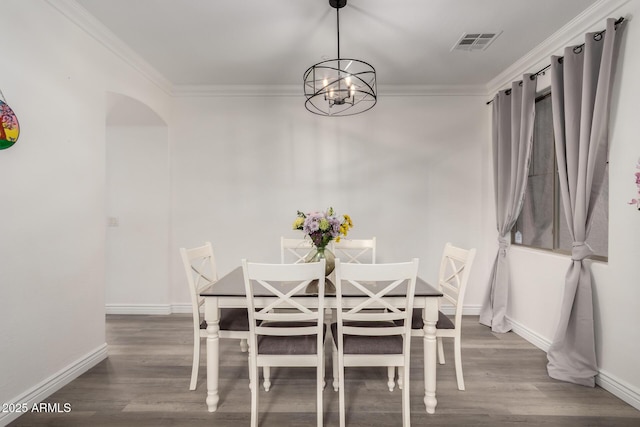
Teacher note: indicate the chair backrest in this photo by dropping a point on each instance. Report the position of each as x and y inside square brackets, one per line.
[359, 251]
[375, 282]
[295, 250]
[200, 267]
[454, 275]
[284, 281]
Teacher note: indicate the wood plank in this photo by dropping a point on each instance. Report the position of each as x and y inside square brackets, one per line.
[145, 382]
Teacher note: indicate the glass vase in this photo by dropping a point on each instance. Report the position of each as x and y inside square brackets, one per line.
[327, 255]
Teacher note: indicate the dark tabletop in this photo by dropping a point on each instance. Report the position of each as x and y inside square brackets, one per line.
[232, 285]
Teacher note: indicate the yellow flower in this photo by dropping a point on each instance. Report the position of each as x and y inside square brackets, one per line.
[297, 224]
[346, 225]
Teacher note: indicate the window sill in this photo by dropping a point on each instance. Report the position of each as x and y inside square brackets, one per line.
[560, 252]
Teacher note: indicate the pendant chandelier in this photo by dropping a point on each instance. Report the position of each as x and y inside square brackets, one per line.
[341, 86]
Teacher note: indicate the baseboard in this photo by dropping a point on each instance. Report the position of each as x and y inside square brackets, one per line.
[46, 388]
[621, 389]
[534, 338]
[138, 309]
[185, 308]
[156, 309]
[467, 310]
[471, 310]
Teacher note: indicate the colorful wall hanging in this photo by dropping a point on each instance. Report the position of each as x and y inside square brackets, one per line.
[9, 127]
[637, 201]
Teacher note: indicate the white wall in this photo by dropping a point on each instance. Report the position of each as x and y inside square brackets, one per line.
[137, 267]
[52, 218]
[412, 172]
[538, 277]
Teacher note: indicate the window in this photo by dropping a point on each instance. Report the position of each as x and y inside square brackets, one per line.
[542, 222]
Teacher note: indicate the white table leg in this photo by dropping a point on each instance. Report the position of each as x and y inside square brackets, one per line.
[211, 315]
[430, 318]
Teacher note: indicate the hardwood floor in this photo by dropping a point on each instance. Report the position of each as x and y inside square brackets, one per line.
[145, 382]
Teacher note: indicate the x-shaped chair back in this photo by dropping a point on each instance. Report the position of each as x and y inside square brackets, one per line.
[284, 282]
[295, 250]
[376, 282]
[200, 267]
[359, 251]
[454, 275]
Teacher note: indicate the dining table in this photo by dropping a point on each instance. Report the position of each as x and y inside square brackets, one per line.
[229, 292]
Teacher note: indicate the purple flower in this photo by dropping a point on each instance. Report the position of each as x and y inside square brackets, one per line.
[321, 227]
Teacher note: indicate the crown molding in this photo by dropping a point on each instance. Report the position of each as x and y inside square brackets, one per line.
[237, 90]
[296, 90]
[538, 57]
[431, 90]
[85, 21]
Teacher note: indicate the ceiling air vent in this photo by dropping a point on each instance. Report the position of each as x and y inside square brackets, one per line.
[475, 41]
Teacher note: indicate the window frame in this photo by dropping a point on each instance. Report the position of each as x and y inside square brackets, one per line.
[557, 206]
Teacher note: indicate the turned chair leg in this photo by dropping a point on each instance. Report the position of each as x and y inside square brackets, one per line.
[458, 361]
[266, 373]
[196, 363]
[391, 375]
[334, 357]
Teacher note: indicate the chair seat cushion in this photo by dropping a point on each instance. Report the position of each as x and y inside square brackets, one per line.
[293, 344]
[443, 321]
[416, 320]
[231, 319]
[361, 344]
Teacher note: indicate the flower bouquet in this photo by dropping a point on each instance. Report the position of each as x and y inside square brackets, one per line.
[322, 228]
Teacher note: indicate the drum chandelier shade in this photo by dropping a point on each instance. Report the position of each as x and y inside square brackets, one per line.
[341, 86]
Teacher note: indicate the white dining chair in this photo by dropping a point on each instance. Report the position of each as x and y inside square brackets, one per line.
[365, 337]
[285, 332]
[200, 267]
[356, 250]
[295, 250]
[292, 251]
[360, 251]
[455, 267]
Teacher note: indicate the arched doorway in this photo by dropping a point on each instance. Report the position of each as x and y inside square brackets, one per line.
[138, 200]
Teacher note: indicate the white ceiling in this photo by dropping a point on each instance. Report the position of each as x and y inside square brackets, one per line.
[272, 42]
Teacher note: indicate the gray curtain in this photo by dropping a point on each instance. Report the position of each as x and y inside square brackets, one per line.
[581, 92]
[513, 119]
